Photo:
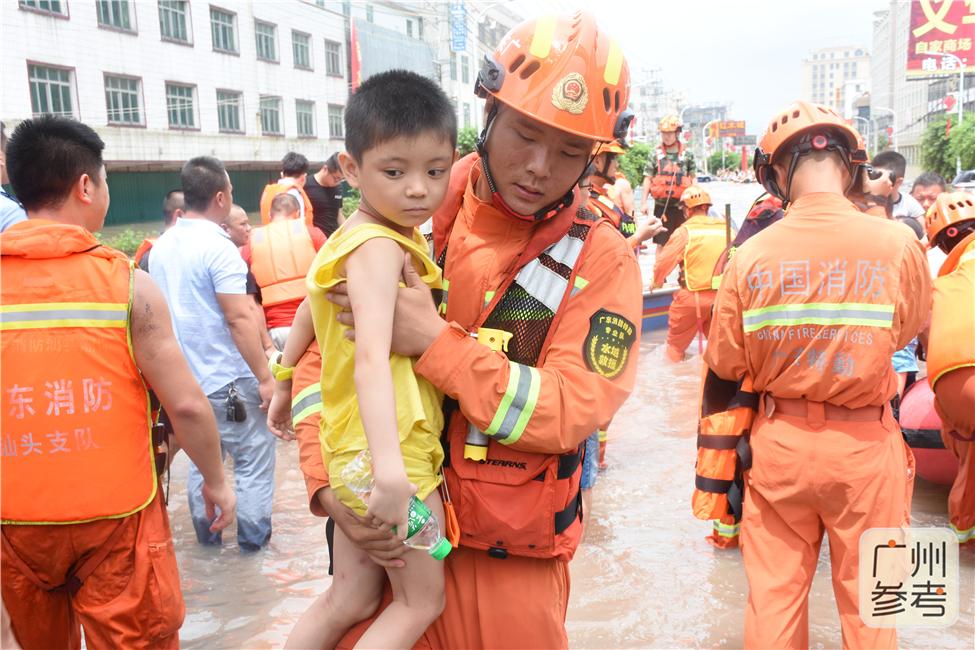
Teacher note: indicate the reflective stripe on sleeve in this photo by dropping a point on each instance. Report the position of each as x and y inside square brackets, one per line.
[63, 314]
[517, 405]
[820, 313]
[306, 403]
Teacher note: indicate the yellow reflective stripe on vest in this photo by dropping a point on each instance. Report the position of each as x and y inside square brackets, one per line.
[517, 405]
[578, 285]
[63, 314]
[725, 530]
[819, 313]
[716, 281]
[963, 535]
[306, 403]
[488, 297]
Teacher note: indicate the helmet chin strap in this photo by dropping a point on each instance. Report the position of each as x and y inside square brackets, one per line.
[496, 198]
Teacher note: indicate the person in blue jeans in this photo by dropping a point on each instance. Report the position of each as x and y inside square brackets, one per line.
[204, 279]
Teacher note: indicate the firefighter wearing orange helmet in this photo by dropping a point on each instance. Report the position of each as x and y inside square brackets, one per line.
[811, 320]
[669, 171]
[606, 198]
[950, 224]
[522, 255]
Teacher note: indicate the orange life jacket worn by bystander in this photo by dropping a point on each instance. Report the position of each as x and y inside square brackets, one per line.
[671, 178]
[144, 248]
[272, 190]
[281, 254]
[76, 423]
[542, 513]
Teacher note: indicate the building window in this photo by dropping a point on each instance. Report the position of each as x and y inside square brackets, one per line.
[305, 112]
[453, 66]
[265, 34]
[55, 7]
[180, 106]
[333, 58]
[50, 91]
[409, 28]
[271, 116]
[467, 115]
[223, 29]
[114, 13]
[465, 71]
[370, 16]
[228, 111]
[301, 49]
[123, 100]
[336, 125]
[174, 20]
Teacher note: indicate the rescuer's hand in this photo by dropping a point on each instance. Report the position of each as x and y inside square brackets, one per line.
[382, 546]
[220, 496]
[648, 229]
[416, 323]
[279, 412]
[266, 390]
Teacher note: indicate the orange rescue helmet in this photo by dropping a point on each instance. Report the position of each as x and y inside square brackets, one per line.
[695, 196]
[798, 129]
[608, 147]
[949, 208]
[562, 70]
[670, 123]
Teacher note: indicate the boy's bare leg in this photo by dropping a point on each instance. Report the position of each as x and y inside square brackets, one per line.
[353, 596]
[418, 597]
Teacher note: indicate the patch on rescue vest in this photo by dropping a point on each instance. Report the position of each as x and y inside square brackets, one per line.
[607, 346]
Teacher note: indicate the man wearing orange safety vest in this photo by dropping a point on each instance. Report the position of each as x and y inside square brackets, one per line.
[279, 256]
[172, 210]
[668, 173]
[811, 320]
[85, 536]
[605, 198]
[294, 172]
[950, 225]
[695, 246]
[521, 255]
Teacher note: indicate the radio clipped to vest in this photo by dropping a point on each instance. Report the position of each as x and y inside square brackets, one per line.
[476, 444]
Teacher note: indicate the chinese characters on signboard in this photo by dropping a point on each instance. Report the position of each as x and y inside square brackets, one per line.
[941, 27]
[458, 27]
[909, 577]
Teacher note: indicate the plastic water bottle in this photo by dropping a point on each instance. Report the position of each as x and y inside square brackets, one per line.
[423, 529]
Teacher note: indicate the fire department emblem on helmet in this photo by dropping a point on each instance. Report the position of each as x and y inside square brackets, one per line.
[571, 94]
[607, 347]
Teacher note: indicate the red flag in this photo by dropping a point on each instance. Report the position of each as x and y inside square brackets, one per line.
[355, 60]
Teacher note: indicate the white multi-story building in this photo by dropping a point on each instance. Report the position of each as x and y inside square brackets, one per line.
[163, 81]
[836, 76]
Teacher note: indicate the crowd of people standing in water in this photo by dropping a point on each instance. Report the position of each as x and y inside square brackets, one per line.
[480, 366]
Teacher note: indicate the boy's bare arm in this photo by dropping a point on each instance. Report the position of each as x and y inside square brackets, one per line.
[373, 273]
[301, 336]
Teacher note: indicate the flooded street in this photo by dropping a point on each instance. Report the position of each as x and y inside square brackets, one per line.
[644, 577]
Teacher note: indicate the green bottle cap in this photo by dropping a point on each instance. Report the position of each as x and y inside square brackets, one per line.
[441, 550]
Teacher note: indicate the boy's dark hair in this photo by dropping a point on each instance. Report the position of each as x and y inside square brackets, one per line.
[332, 164]
[891, 160]
[294, 164]
[47, 155]
[397, 104]
[202, 177]
[927, 179]
[174, 201]
[284, 203]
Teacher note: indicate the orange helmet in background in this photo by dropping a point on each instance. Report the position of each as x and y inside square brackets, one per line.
[798, 129]
[609, 147]
[670, 123]
[562, 71]
[949, 209]
[695, 196]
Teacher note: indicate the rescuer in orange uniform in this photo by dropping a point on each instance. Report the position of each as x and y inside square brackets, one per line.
[950, 225]
[812, 321]
[669, 171]
[606, 200]
[696, 246]
[85, 536]
[521, 254]
[294, 171]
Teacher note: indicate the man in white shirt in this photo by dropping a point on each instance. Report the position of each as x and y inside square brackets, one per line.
[203, 278]
[904, 204]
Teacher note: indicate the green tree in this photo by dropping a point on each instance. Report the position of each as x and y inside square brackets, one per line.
[963, 142]
[466, 140]
[350, 202]
[732, 161]
[936, 154]
[633, 162]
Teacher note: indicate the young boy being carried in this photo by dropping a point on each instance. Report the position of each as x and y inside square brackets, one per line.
[401, 135]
